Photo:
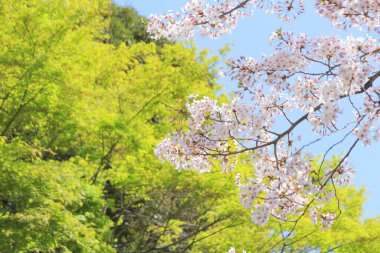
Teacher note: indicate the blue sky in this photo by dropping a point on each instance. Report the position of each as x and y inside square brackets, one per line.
[250, 38]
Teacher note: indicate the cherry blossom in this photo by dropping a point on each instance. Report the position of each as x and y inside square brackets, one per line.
[220, 17]
[357, 13]
[215, 20]
[305, 82]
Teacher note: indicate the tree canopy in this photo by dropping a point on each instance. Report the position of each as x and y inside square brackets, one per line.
[85, 97]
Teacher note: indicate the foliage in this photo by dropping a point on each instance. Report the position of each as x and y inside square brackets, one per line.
[82, 108]
[79, 120]
[46, 206]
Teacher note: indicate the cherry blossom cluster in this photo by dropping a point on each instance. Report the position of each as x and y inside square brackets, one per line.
[287, 189]
[283, 80]
[217, 19]
[305, 81]
[357, 13]
[212, 20]
[283, 183]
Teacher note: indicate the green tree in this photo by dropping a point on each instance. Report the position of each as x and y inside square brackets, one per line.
[127, 26]
[87, 109]
[46, 207]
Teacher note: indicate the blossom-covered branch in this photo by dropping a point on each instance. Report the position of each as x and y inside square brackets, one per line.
[220, 17]
[307, 83]
[217, 19]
